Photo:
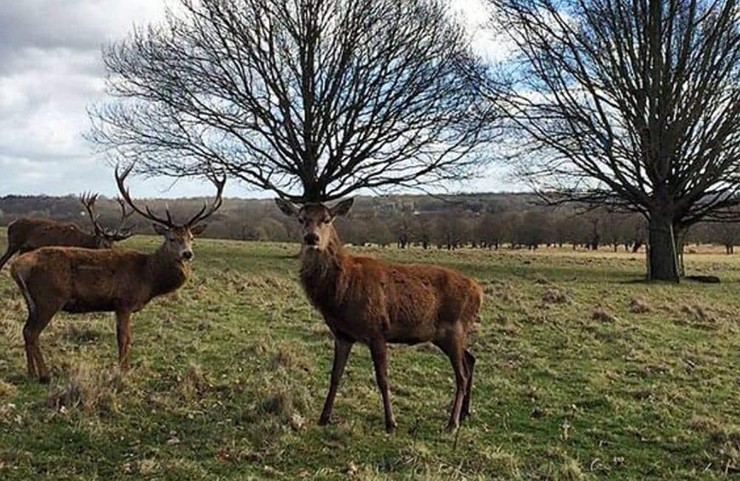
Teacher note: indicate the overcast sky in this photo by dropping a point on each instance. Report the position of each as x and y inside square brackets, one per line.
[51, 70]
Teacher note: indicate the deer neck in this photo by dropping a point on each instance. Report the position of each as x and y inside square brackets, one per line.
[90, 241]
[167, 274]
[321, 271]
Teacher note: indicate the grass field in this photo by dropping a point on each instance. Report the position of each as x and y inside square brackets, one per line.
[582, 374]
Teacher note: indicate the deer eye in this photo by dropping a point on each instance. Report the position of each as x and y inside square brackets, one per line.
[326, 220]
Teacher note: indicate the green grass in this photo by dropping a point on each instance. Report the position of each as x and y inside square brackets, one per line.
[230, 373]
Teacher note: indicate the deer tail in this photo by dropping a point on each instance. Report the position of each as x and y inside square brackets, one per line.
[20, 271]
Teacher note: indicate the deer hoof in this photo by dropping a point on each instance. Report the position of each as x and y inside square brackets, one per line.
[390, 427]
[45, 379]
[452, 427]
[323, 420]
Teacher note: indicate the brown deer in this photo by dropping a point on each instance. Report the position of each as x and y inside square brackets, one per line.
[28, 234]
[375, 302]
[123, 281]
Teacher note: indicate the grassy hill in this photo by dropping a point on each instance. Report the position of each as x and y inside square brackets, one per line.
[582, 374]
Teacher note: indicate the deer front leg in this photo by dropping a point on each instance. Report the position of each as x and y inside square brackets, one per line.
[342, 348]
[379, 352]
[470, 365]
[457, 359]
[123, 331]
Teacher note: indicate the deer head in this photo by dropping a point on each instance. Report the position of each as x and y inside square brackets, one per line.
[178, 238]
[317, 220]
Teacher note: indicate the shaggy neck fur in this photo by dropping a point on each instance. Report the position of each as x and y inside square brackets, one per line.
[321, 273]
[167, 273]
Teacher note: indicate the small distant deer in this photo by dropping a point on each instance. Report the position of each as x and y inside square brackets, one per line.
[27, 234]
[119, 280]
[374, 302]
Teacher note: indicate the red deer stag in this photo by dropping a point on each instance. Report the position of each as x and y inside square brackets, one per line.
[374, 302]
[123, 281]
[28, 234]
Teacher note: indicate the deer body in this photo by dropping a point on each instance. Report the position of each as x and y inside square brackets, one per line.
[363, 298]
[86, 280]
[123, 281]
[27, 234]
[374, 302]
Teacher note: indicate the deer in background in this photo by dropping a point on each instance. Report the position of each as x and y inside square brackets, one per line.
[123, 281]
[374, 302]
[28, 234]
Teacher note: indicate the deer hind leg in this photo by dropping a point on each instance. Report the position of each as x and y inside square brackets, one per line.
[470, 365]
[31, 330]
[455, 352]
[36, 323]
[342, 348]
[30, 338]
[379, 352]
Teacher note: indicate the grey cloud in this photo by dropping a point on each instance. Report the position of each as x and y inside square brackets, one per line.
[50, 71]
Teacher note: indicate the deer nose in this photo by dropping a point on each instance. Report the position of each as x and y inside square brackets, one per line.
[187, 255]
[311, 239]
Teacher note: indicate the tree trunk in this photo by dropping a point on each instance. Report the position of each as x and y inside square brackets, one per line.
[662, 256]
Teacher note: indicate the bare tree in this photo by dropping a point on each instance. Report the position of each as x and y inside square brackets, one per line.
[312, 99]
[726, 233]
[630, 103]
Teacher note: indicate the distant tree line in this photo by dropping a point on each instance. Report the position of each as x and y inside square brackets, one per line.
[486, 221]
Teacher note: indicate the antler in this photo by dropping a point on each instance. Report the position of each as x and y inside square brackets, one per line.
[123, 231]
[120, 180]
[203, 214]
[206, 211]
[88, 200]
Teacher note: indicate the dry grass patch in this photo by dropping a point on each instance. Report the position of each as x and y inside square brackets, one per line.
[194, 383]
[570, 471]
[724, 443]
[638, 305]
[555, 296]
[286, 356]
[7, 390]
[82, 332]
[698, 314]
[600, 314]
[501, 291]
[271, 283]
[89, 389]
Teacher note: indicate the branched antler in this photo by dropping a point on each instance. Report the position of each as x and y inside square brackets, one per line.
[88, 200]
[204, 213]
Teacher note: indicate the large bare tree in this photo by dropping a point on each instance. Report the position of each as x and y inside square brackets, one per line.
[312, 99]
[629, 103]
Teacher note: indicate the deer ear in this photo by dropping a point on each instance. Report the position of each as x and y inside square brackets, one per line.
[198, 229]
[342, 208]
[287, 207]
[160, 229]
